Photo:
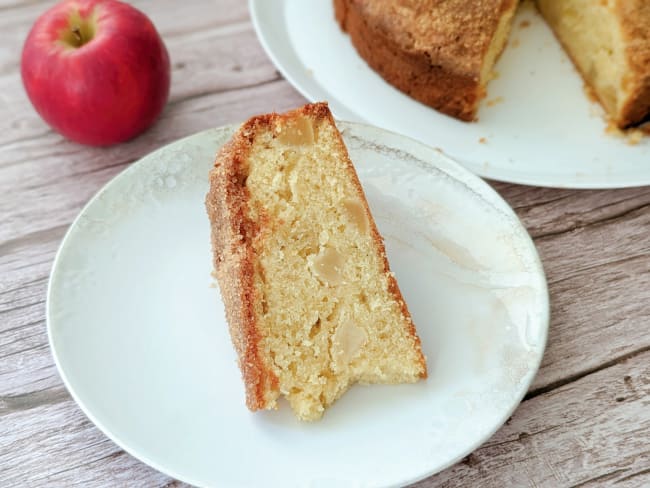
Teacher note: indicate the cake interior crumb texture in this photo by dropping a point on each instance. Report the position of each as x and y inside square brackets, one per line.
[609, 43]
[311, 303]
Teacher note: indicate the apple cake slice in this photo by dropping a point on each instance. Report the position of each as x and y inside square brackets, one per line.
[310, 301]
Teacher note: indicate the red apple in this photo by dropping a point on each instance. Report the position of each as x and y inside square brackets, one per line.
[96, 70]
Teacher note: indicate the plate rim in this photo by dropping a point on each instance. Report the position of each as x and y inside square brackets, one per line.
[48, 304]
[544, 318]
[300, 82]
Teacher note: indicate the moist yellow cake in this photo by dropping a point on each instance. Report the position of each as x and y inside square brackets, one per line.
[440, 52]
[310, 301]
[609, 42]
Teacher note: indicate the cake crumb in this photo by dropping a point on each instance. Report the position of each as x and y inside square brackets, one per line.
[634, 136]
[482, 140]
[524, 23]
[494, 101]
[515, 43]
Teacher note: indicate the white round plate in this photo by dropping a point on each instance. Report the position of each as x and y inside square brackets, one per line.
[536, 125]
[140, 338]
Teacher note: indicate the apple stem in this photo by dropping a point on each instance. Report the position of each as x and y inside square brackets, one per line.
[77, 33]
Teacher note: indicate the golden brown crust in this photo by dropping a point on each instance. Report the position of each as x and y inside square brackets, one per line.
[635, 27]
[432, 50]
[232, 238]
[231, 235]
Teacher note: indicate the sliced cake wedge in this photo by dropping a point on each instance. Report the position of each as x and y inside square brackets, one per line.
[310, 301]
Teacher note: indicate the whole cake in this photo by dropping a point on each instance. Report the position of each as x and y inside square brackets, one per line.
[441, 52]
[310, 301]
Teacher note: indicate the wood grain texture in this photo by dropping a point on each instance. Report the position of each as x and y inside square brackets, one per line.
[586, 419]
[588, 432]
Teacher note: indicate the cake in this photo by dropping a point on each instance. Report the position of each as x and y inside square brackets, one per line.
[310, 301]
[609, 43]
[440, 52]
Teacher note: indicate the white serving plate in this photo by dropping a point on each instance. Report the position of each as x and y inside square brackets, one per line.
[139, 335]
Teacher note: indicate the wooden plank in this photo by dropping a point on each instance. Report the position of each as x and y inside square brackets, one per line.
[600, 292]
[25, 361]
[547, 211]
[572, 436]
[593, 325]
[56, 445]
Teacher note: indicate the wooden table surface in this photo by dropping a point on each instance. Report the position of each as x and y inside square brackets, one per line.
[585, 420]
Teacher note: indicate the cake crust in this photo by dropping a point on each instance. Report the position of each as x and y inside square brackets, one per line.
[624, 91]
[432, 50]
[635, 26]
[232, 237]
